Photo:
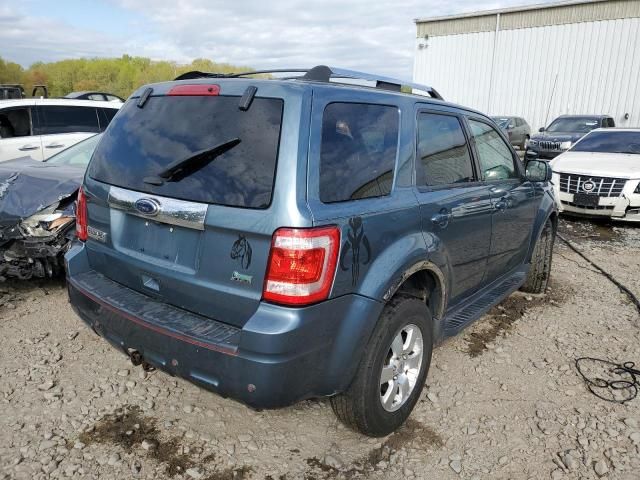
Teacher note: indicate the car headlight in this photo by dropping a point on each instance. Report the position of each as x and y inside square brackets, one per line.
[531, 143]
[565, 145]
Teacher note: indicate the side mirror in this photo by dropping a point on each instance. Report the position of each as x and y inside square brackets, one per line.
[541, 129]
[538, 171]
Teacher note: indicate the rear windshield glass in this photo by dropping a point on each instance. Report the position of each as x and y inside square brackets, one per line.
[142, 142]
[609, 142]
[358, 151]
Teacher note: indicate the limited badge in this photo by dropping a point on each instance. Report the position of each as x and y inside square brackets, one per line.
[96, 234]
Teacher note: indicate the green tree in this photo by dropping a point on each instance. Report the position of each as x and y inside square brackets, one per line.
[116, 75]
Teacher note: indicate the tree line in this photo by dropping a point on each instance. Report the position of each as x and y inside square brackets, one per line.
[114, 75]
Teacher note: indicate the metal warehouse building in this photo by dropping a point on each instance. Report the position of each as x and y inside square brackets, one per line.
[538, 61]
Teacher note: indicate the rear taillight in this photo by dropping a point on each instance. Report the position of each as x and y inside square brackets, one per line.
[81, 216]
[302, 264]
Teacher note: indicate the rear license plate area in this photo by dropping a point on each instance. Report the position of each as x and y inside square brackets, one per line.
[154, 240]
[586, 200]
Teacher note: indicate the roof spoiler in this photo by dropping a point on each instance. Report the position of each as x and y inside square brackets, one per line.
[323, 73]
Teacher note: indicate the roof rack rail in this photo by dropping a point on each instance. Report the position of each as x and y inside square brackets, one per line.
[322, 73]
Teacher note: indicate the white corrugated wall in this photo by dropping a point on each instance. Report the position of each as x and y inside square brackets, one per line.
[597, 65]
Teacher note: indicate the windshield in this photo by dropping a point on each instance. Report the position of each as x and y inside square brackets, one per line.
[610, 142]
[78, 155]
[173, 133]
[503, 122]
[574, 124]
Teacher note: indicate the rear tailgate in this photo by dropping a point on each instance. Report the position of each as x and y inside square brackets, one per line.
[199, 240]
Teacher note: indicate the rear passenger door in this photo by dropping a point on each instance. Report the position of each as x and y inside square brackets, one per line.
[455, 206]
[62, 126]
[513, 199]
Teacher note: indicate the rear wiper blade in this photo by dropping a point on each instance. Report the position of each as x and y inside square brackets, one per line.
[179, 169]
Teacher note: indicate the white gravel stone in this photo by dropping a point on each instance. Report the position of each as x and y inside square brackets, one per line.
[601, 468]
[195, 473]
[48, 385]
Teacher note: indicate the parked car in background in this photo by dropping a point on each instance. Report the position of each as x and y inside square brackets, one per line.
[274, 245]
[11, 92]
[562, 133]
[516, 128]
[16, 92]
[37, 212]
[40, 128]
[99, 96]
[600, 175]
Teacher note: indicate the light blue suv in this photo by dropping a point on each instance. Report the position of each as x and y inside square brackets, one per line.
[279, 239]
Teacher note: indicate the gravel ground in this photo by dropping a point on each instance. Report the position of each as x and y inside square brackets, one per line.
[503, 399]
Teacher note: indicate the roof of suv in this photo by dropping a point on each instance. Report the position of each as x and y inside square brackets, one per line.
[58, 102]
[317, 76]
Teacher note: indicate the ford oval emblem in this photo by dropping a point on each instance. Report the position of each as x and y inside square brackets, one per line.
[147, 206]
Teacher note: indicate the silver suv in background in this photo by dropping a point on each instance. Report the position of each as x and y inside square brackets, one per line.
[516, 128]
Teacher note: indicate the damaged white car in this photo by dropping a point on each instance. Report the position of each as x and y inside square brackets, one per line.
[37, 211]
[600, 175]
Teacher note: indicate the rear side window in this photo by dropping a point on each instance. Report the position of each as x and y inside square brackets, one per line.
[61, 119]
[496, 160]
[358, 151]
[15, 122]
[142, 142]
[443, 155]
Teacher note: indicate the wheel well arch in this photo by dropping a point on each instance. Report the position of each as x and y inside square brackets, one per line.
[554, 220]
[425, 281]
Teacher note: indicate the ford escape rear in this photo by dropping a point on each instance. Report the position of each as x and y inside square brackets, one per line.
[280, 239]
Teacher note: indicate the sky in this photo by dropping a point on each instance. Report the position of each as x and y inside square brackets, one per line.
[372, 35]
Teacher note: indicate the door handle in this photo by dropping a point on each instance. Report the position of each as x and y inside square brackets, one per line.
[26, 148]
[54, 145]
[504, 203]
[442, 219]
[500, 205]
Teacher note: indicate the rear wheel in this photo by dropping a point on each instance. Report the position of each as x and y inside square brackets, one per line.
[393, 370]
[540, 271]
[524, 142]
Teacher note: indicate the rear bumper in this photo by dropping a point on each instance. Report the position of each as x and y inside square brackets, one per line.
[281, 355]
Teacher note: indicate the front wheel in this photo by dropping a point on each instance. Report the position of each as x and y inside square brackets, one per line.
[540, 271]
[392, 372]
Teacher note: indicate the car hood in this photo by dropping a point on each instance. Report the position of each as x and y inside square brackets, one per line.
[558, 136]
[28, 186]
[619, 165]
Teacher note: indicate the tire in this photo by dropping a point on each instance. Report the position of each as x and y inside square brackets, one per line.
[540, 271]
[360, 407]
[524, 142]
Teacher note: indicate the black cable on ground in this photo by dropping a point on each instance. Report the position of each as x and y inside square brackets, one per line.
[622, 288]
[622, 385]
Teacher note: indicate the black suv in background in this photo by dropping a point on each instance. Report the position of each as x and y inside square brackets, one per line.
[563, 132]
